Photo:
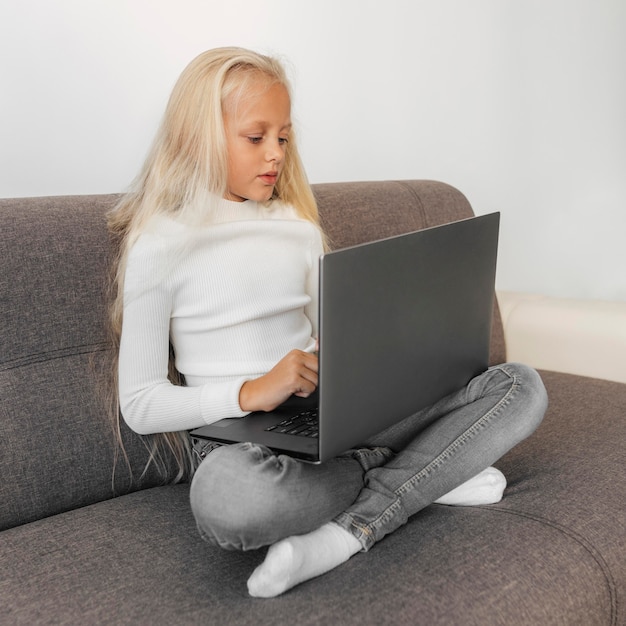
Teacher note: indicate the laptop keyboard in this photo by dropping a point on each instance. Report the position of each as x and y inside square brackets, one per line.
[303, 424]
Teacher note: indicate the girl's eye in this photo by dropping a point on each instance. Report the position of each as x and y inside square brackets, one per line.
[256, 139]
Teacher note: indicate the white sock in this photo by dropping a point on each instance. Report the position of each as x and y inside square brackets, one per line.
[485, 488]
[295, 559]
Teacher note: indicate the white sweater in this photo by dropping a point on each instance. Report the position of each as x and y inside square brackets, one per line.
[233, 297]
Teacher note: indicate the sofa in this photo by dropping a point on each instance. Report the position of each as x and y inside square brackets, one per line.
[88, 537]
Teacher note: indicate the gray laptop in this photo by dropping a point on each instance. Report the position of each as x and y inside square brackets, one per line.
[404, 321]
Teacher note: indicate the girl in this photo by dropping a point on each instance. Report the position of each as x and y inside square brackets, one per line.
[216, 284]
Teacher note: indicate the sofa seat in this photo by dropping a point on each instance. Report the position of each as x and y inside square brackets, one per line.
[552, 552]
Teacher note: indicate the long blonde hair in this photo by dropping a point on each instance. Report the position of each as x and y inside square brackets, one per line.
[188, 162]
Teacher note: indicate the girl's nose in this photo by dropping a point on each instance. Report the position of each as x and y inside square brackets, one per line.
[275, 152]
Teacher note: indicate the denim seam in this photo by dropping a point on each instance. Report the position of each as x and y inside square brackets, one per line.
[362, 532]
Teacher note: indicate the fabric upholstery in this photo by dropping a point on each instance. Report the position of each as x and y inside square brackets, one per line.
[55, 354]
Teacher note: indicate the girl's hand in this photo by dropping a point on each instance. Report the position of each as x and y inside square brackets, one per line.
[295, 374]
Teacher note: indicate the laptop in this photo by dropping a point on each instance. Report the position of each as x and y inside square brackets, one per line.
[403, 322]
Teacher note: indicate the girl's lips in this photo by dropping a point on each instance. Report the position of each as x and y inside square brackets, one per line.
[270, 178]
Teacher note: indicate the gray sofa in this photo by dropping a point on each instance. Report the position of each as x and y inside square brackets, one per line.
[85, 541]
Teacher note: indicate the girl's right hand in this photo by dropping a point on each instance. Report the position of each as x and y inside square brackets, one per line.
[295, 374]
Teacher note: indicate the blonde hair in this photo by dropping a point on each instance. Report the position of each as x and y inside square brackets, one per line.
[188, 163]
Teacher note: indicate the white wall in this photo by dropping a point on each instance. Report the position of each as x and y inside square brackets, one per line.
[521, 105]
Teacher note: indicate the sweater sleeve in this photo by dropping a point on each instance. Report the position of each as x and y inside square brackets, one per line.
[148, 401]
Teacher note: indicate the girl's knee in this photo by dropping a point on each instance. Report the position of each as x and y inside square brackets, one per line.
[244, 497]
[230, 499]
[533, 388]
[530, 392]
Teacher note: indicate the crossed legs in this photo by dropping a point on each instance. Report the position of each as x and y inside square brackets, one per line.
[316, 517]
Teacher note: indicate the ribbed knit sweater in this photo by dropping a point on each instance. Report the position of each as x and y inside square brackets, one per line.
[233, 297]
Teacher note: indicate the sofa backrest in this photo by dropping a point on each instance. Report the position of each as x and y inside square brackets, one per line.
[57, 448]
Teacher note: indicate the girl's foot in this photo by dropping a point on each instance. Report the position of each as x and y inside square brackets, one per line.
[295, 559]
[485, 488]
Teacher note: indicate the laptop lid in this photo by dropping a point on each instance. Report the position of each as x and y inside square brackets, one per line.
[404, 321]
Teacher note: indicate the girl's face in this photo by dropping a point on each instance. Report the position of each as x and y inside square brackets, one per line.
[257, 132]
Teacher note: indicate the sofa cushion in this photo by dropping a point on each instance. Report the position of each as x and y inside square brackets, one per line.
[552, 552]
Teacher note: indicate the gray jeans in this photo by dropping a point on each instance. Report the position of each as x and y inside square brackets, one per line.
[244, 497]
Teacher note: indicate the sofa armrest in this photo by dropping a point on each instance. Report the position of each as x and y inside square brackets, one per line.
[585, 337]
